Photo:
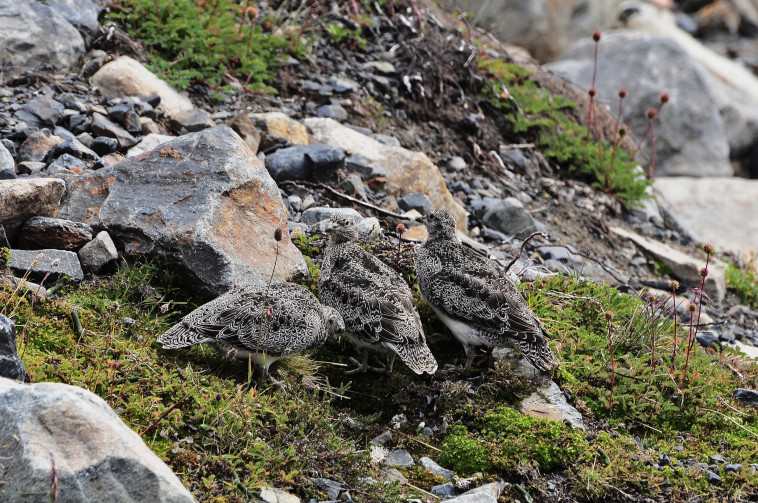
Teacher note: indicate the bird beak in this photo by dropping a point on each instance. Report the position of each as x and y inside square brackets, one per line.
[329, 227]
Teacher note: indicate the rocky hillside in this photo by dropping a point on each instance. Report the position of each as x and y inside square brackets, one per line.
[154, 155]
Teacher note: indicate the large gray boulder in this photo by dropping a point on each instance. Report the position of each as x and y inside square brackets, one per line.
[203, 201]
[96, 457]
[543, 27]
[690, 135]
[82, 13]
[35, 36]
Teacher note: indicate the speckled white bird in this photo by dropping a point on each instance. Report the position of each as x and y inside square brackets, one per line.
[265, 324]
[474, 298]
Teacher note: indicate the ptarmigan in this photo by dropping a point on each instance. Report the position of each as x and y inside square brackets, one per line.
[475, 299]
[259, 322]
[375, 302]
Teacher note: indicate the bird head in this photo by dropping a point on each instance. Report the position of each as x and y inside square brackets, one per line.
[342, 229]
[439, 224]
[334, 323]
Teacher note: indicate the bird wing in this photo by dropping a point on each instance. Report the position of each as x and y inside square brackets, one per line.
[483, 300]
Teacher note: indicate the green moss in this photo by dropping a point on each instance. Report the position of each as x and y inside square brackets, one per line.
[516, 439]
[463, 453]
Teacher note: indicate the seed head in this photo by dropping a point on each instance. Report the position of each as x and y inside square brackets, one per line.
[592, 92]
[652, 298]
[609, 315]
[651, 113]
[664, 98]
[691, 308]
[596, 36]
[278, 234]
[708, 248]
[673, 284]
[703, 272]
[623, 131]
[622, 93]
[400, 228]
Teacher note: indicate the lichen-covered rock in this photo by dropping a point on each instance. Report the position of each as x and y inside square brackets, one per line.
[407, 171]
[96, 457]
[203, 201]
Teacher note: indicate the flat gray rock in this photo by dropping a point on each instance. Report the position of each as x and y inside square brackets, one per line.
[48, 264]
[549, 402]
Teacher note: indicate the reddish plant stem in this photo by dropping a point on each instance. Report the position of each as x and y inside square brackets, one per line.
[417, 15]
[615, 137]
[652, 146]
[673, 358]
[305, 26]
[693, 335]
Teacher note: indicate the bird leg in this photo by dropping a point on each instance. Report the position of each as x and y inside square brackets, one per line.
[363, 366]
[470, 354]
[278, 384]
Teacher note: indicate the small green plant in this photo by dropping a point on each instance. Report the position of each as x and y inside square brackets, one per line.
[743, 283]
[339, 34]
[542, 118]
[191, 40]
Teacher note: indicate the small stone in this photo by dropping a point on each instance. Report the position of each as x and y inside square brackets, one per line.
[295, 202]
[274, 495]
[329, 487]
[318, 214]
[36, 146]
[7, 164]
[72, 147]
[103, 145]
[510, 217]
[11, 365]
[382, 439]
[369, 228]
[430, 465]
[31, 168]
[66, 163]
[399, 457]
[343, 85]
[664, 460]
[42, 111]
[393, 474]
[98, 253]
[332, 111]
[712, 477]
[55, 233]
[416, 201]
[516, 157]
[444, 491]
[102, 126]
[379, 67]
[148, 143]
[746, 396]
[457, 163]
[708, 340]
[716, 458]
[324, 160]
[733, 468]
[189, 121]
